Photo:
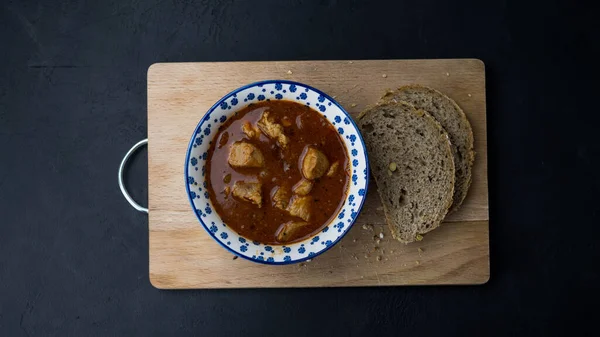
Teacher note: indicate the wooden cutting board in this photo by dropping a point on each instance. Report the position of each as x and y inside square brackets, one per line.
[182, 254]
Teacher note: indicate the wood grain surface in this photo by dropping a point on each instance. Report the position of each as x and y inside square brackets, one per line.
[182, 254]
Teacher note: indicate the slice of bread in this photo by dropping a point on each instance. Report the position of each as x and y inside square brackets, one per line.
[411, 160]
[454, 121]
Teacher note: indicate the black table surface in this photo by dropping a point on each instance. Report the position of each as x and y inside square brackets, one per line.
[74, 254]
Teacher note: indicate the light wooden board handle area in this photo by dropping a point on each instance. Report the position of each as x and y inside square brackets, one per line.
[183, 256]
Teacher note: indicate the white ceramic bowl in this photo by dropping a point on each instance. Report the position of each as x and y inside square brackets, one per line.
[196, 161]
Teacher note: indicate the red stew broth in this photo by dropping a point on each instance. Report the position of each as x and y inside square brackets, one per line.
[304, 126]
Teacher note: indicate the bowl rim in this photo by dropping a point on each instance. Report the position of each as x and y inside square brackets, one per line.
[207, 115]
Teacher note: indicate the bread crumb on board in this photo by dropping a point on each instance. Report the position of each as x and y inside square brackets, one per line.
[469, 95]
[353, 105]
[367, 227]
[447, 74]
[417, 262]
[384, 75]
[420, 250]
[381, 235]
[289, 72]
[350, 62]
[378, 258]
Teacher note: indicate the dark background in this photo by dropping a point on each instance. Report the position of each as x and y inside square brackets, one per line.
[74, 254]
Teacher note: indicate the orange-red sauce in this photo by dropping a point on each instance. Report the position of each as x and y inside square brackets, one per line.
[304, 126]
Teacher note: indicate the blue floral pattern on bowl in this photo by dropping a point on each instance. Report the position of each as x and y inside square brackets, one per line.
[196, 161]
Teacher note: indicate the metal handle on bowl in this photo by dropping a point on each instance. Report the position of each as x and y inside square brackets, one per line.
[121, 169]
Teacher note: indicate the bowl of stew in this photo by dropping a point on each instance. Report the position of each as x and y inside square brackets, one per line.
[276, 172]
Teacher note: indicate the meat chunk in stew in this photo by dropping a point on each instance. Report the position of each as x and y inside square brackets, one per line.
[333, 169]
[273, 130]
[244, 155]
[288, 229]
[314, 164]
[249, 130]
[303, 187]
[300, 207]
[248, 192]
[281, 197]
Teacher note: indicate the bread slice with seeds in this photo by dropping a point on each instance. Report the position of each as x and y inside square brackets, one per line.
[411, 160]
[454, 121]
